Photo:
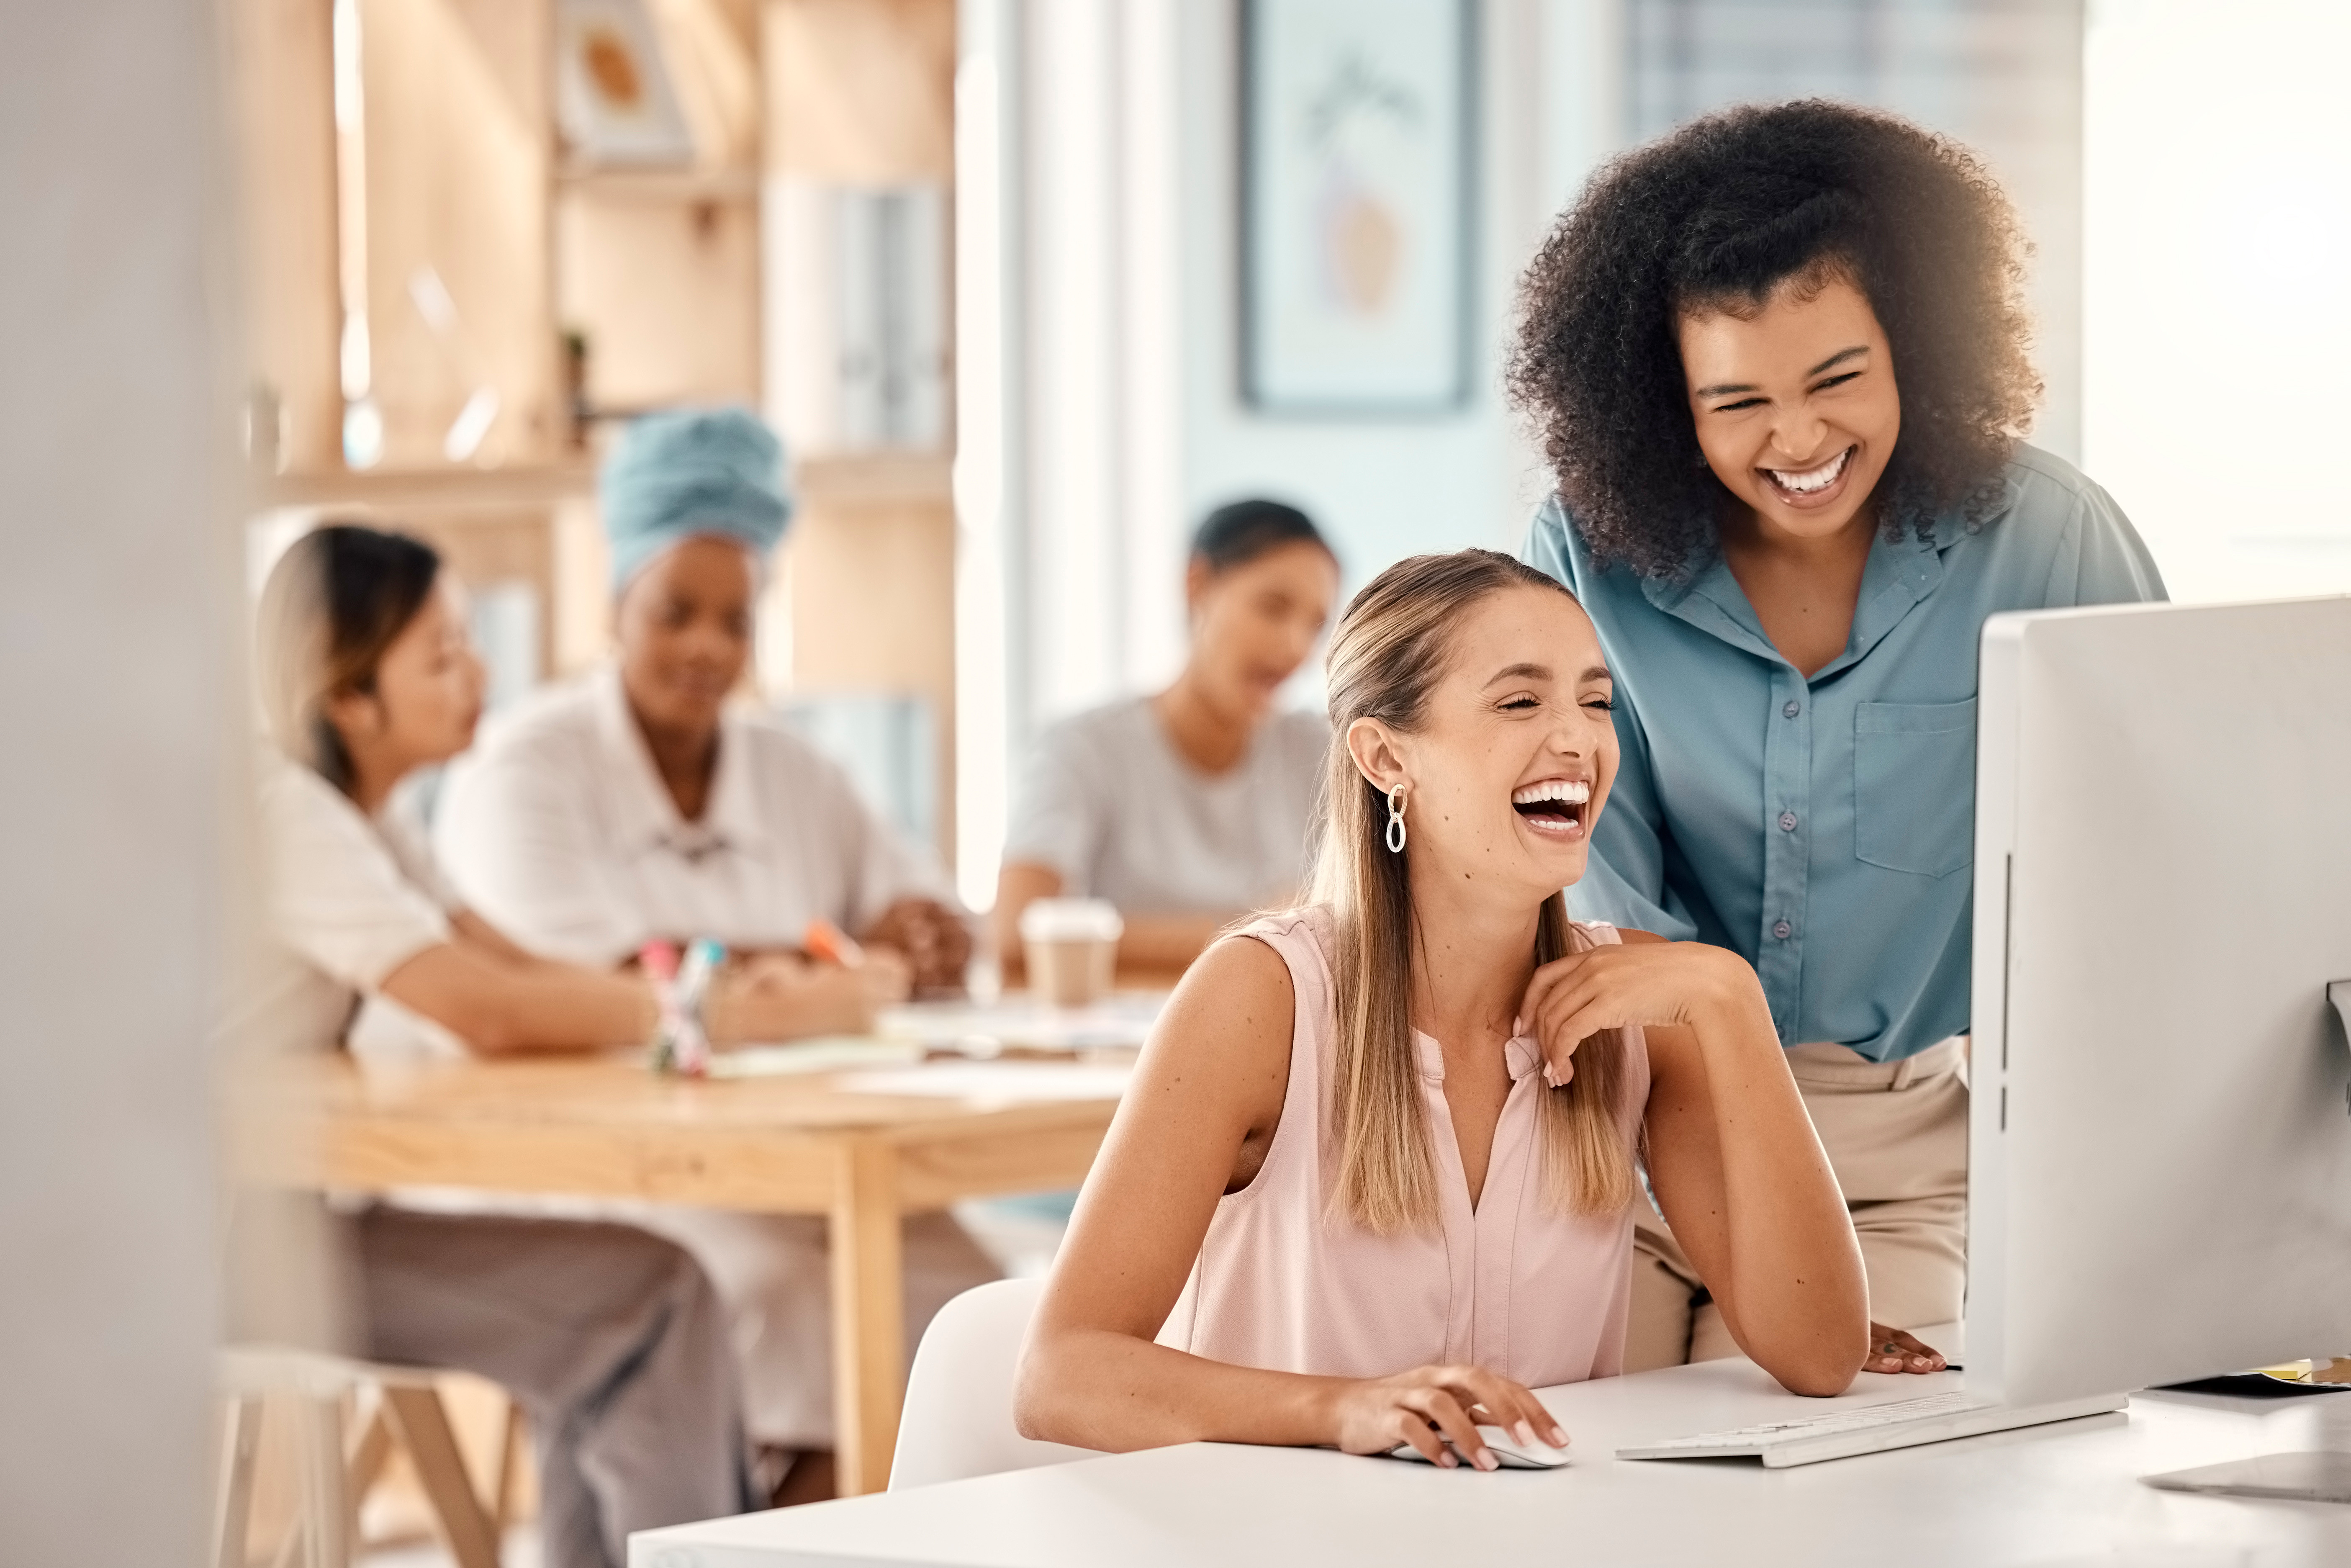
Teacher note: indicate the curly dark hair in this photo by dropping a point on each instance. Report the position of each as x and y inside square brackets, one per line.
[1719, 213]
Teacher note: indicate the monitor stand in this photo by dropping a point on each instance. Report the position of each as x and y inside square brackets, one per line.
[2306, 1477]
[2302, 1477]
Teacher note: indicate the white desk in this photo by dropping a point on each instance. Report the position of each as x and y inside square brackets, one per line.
[2050, 1496]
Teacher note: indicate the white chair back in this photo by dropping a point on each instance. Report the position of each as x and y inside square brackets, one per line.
[958, 1418]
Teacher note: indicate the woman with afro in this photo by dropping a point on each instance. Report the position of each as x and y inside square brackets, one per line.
[1777, 360]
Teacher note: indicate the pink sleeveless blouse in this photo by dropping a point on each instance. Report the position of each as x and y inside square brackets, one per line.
[1286, 1283]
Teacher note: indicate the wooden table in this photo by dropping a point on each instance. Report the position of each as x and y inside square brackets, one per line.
[607, 1128]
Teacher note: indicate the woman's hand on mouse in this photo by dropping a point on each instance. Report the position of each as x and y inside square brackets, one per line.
[1430, 1404]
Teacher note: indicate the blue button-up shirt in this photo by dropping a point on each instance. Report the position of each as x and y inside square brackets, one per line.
[1822, 829]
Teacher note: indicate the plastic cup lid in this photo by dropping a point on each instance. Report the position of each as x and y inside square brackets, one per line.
[1071, 920]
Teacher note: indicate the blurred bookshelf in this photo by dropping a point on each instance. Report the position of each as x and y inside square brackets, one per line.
[433, 490]
[435, 237]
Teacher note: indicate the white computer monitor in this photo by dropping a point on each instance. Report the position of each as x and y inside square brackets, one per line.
[2160, 1149]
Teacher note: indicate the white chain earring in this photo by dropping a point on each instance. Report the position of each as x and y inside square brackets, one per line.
[1395, 820]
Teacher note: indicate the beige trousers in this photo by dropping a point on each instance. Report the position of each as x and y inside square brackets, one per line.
[1897, 1136]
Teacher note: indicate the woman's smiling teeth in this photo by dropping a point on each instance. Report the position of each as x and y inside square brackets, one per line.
[1811, 481]
[1554, 806]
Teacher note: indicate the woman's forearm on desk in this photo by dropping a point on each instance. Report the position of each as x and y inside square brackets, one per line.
[1801, 1296]
[1097, 1388]
[501, 1007]
[1734, 1154]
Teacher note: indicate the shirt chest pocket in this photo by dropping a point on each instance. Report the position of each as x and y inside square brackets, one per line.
[1913, 785]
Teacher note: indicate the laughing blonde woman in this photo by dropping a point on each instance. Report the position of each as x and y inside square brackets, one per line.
[1376, 1174]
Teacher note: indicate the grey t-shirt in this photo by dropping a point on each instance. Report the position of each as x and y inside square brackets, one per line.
[1111, 805]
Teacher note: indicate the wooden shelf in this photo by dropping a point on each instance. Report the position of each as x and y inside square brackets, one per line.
[868, 477]
[740, 185]
[439, 489]
[850, 479]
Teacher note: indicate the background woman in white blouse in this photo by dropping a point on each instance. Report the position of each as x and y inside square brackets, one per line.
[641, 803]
[612, 1339]
[1190, 807]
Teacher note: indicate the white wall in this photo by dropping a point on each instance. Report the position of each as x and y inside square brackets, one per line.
[1103, 311]
[2217, 217]
[1383, 488]
[1136, 427]
[1097, 303]
[112, 719]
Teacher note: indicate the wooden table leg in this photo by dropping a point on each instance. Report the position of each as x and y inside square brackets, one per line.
[869, 1330]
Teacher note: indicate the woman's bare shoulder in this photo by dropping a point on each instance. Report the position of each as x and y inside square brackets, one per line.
[1225, 1033]
[1239, 990]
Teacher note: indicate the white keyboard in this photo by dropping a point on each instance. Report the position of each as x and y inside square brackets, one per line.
[1844, 1430]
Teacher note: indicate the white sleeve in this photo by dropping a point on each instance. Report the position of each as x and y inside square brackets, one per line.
[1061, 815]
[403, 827]
[516, 834]
[884, 865]
[337, 896]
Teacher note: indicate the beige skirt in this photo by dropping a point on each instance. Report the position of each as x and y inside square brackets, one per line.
[1897, 1137]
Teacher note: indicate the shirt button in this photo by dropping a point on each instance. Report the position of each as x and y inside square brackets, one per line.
[1782, 930]
[1791, 709]
[1787, 821]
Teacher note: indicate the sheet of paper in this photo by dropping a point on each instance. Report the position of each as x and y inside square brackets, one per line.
[999, 1083]
[826, 1053]
[1121, 1018]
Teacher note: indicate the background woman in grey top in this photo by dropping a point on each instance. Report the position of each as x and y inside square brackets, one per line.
[1190, 807]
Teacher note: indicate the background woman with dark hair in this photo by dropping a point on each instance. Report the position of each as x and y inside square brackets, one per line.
[612, 1339]
[1190, 807]
[1778, 363]
[368, 676]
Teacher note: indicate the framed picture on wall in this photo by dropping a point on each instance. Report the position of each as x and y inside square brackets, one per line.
[613, 96]
[1357, 207]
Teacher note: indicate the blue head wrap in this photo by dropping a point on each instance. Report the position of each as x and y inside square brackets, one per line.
[689, 471]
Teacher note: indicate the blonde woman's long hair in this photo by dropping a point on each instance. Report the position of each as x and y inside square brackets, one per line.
[1391, 648]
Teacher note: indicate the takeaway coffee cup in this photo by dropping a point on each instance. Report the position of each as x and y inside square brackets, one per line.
[1073, 949]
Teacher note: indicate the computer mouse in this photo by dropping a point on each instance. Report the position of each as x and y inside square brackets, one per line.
[1505, 1446]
